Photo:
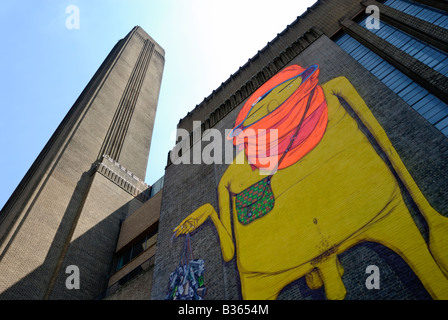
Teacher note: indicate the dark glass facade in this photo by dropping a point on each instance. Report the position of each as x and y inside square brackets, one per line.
[421, 100]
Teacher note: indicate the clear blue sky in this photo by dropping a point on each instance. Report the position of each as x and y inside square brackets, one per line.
[44, 66]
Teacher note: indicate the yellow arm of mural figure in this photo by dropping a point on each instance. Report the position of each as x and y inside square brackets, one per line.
[437, 223]
[345, 89]
[223, 223]
[223, 226]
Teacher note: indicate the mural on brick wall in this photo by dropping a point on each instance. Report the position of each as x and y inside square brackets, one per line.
[328, 191]
[187, 280]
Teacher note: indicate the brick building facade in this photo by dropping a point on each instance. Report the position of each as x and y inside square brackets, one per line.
[384, 206]
[400, 72]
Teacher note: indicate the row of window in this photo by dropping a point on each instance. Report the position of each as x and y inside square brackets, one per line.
[136, 271]
[432, 57]
[429, 106]
[157, 186]
[136, 249]
[147, 241]
[128, 277]
[429, 14]
[426, 104]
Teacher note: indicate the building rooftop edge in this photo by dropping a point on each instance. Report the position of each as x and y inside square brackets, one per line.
[250, 60]
[145, 35]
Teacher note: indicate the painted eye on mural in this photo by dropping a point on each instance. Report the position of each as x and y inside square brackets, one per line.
[272, 100]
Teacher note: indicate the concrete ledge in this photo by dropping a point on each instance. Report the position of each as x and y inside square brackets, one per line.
[123, 178]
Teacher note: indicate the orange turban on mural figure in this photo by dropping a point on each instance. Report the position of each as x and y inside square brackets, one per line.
[297, 133]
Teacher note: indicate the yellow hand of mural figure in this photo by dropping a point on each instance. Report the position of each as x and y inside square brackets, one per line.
[197, 218]
[194, 220]
[337, 195]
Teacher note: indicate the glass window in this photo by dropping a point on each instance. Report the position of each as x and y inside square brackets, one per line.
[157, 186]
[138, 248]
[432, 57]
[119, 263]
[430, 107]
[124, 258]
[420, 11]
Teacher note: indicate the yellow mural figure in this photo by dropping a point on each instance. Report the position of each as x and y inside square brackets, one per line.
[329, 191]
